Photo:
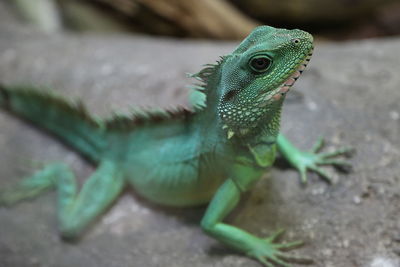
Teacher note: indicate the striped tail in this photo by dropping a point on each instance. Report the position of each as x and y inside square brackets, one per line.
[70, 122]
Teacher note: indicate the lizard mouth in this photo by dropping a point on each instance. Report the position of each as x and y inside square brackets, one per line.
[281, 90]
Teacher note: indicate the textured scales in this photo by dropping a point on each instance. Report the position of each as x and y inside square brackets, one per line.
[211, 153]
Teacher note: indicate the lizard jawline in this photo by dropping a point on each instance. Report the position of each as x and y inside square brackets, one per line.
[281, 90]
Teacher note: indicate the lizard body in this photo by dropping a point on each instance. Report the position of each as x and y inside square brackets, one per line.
[212, 153]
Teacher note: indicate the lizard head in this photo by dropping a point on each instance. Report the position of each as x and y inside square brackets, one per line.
[258, 74]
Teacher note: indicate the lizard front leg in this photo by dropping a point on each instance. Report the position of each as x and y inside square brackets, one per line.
[310, 160]
[226, 198]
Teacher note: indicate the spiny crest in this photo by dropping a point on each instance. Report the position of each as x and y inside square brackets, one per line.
[118, 121]
[142, 116]
[75, 108]
[198, 94]
[126, 121]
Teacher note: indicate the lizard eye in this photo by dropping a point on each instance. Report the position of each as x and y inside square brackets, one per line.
[260, 63]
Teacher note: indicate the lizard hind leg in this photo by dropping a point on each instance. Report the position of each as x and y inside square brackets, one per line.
[75, 210]
[34, 185]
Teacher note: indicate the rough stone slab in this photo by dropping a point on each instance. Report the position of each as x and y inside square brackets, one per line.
[349, 94]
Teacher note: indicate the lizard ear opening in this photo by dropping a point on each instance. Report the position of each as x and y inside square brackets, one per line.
[229, 95]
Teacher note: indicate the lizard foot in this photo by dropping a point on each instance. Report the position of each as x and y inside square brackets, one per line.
[270, 254]
[310, 160]
[31, 186]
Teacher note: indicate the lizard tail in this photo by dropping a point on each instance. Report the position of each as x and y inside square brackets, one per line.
[70, 122]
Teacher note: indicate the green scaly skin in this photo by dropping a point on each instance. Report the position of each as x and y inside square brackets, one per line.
[211, 154]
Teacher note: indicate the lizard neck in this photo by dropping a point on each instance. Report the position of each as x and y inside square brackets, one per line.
[211, 126]
[267, 130]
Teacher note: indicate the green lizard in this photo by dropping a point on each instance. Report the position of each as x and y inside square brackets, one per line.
[212, 153]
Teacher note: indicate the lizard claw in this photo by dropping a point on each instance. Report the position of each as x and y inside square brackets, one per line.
[272, 254]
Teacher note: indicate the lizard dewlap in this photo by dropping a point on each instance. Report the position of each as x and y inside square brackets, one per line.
[211, 153]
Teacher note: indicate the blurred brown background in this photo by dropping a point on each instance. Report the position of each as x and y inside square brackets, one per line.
[215, 19]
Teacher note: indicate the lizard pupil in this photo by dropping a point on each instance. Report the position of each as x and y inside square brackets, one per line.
[260, 64]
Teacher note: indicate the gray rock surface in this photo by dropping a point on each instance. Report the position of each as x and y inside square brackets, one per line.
[349, 94]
